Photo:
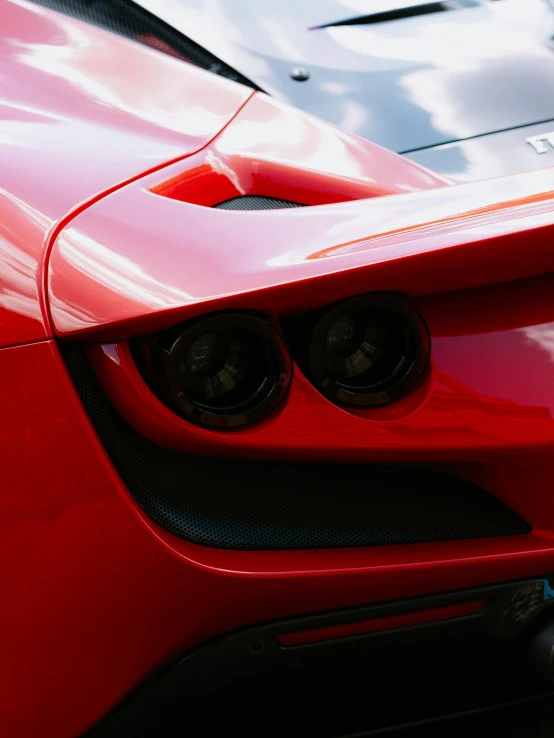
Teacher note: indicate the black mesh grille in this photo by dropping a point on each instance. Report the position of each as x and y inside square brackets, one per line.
[256, 202]
[130, 20]
[245, 504]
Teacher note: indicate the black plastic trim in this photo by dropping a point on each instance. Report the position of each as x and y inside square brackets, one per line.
[375, 681]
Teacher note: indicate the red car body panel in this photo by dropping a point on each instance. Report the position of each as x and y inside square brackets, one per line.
[114, 171]
[96, 597]
[81, 112]
[435, 239]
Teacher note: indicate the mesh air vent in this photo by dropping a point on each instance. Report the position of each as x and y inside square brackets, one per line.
[256, 202]
[248, 504]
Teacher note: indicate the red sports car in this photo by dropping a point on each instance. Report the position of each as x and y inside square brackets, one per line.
[276, 409]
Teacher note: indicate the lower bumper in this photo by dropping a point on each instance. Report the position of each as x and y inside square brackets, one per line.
[335, 686]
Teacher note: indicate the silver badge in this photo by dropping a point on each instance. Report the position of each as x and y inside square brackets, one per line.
[539, 143]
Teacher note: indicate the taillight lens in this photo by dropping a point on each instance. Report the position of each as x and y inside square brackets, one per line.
[368, 351]
[226, 370]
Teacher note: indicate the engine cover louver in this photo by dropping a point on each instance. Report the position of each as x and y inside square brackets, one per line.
[403, 10]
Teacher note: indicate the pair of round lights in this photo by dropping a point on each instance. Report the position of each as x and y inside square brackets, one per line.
[233, 369]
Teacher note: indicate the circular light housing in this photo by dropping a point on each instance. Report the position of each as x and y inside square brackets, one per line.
[227, 370]
[368, 351]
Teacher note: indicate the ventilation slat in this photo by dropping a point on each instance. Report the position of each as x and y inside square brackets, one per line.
[406, 11]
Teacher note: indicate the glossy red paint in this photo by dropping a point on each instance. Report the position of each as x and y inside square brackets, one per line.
[469, 415]
[378, 625]
[107, 279]
[82, 111]
[467, 403]
[96, 597]
[278, 151]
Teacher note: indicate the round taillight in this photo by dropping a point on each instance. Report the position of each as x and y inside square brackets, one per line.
[226, 370]
[368, 351]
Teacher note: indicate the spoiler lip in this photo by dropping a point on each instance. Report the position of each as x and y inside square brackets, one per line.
[107, 280]
[156, 251]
